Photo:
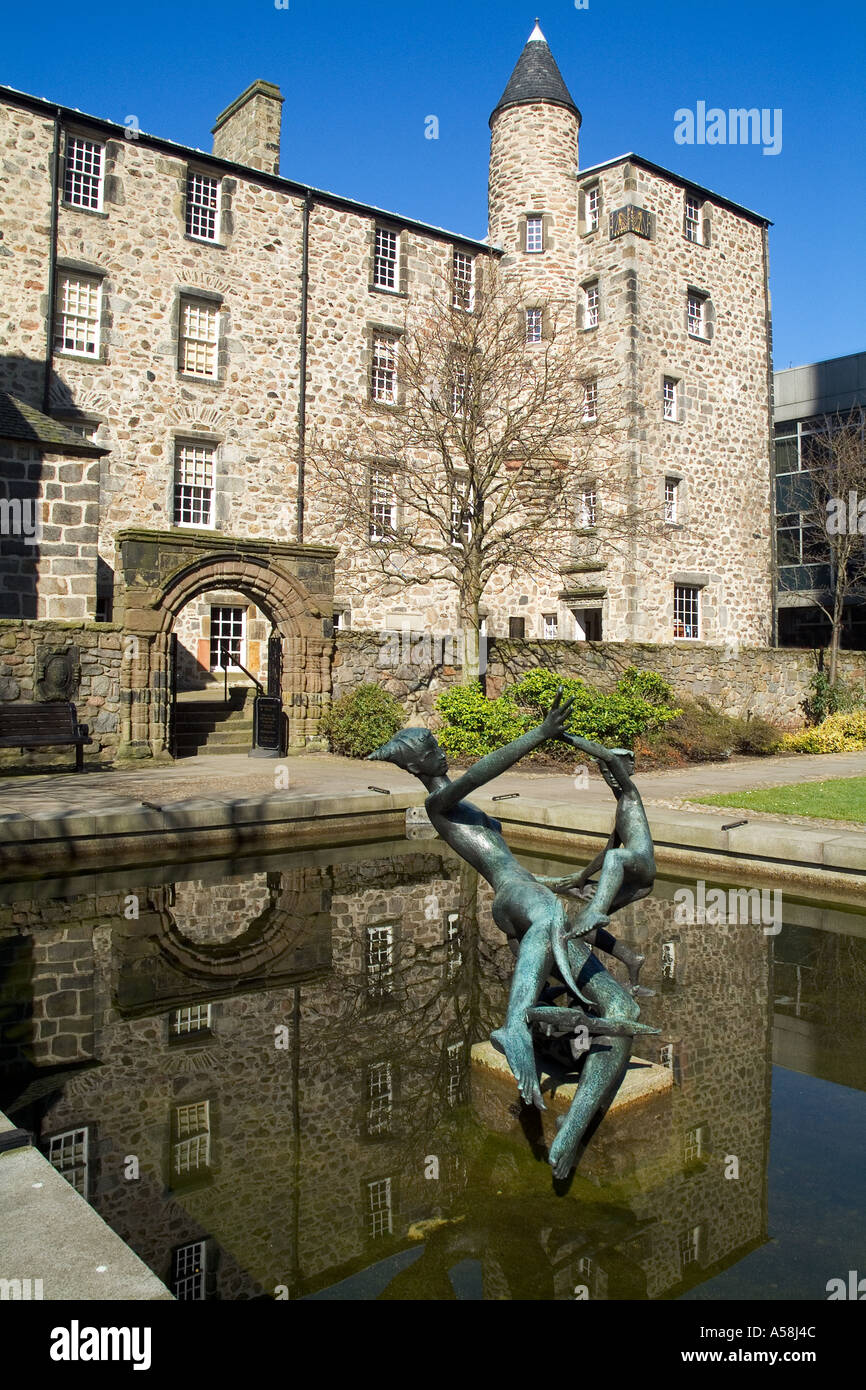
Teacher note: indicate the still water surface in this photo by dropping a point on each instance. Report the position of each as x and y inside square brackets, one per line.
[259, 1073]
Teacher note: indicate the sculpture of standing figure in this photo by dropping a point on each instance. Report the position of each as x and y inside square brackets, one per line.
[530, 913]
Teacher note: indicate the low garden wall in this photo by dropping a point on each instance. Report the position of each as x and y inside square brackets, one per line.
[43, 659]
[765, 681]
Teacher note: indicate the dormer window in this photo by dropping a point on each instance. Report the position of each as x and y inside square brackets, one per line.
[83, 174]
[385, 260]
[692, 218]
[593, 206]
[463, 295]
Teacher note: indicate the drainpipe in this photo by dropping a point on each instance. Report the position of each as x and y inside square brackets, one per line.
[302, 385]
[774, 563]
[52, 265]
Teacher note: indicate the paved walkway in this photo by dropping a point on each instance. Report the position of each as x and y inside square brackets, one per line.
[233, 778]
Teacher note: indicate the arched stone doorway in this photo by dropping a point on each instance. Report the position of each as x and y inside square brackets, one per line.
[159, 573]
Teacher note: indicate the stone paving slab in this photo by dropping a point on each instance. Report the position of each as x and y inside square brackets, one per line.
[237, 776]
[49, 1232]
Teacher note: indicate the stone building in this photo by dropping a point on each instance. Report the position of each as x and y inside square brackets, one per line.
[196, 316]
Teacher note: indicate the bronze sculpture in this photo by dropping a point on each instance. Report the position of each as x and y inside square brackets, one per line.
[533, 915]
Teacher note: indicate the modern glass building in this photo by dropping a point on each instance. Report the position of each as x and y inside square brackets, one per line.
[804, 398]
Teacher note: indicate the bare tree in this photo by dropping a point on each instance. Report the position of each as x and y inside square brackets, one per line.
[490, 438]
[832, 516]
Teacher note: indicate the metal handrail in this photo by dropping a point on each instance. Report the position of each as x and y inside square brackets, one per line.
[227, 660]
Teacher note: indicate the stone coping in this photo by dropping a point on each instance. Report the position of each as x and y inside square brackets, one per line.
[48, 1232]
[822, 858]
[776, 845]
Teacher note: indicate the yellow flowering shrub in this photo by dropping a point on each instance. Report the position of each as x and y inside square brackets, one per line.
[839, 733]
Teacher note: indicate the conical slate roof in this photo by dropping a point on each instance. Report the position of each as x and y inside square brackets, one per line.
[536, 78]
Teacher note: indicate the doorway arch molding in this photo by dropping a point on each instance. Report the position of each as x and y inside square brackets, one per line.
[158, 573]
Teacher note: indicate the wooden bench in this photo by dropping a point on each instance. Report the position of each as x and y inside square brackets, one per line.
[43, 726]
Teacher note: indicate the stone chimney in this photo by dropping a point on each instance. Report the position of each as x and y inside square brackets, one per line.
[248, 131]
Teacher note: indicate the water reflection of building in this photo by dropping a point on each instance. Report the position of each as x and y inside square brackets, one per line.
[262, 1066]
[283, 1054]
[712, 1008]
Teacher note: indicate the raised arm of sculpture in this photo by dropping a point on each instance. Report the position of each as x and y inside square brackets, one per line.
[488, 768]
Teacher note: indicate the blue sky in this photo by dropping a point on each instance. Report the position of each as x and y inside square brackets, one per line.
[360, 76]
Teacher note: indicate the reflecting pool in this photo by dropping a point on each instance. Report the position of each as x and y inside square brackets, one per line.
[259, 1073]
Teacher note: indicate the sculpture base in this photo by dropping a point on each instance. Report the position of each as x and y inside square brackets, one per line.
[636, 1128]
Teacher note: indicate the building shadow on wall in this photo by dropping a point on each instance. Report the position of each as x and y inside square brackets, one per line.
[28, 439]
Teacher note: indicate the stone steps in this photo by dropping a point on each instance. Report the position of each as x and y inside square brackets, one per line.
[210, 725]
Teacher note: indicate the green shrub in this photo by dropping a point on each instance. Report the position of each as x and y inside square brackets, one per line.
[361, 720]
[828, 699]
[645, 685]
[616, 719]
[475, 725]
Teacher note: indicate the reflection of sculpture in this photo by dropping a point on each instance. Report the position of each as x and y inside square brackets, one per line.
[530, 913]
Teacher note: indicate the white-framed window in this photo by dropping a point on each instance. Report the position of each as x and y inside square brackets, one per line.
[534, 234]
[591, 302]
[69, 1153]
[383, 505]
[380, 1098]
[461, 512]
[588, 509]
[453, 945]
[590, 400]
[689, 1246]
[669, 960]
[379, 1215]
[666, 1056]
[464, 281]
[202, 206]
[454, 1090]
[594, 1276]
[386, 259]
[593, 207]
[549, 626]
[697, 304]
[199, 338]
[461, 385]
[692, 217]
[534, 325]
[672, 500]
[193, 483]
[342, 619]
[192, 1019]
[79, 309]
[228, 630]
[190, 1269]
[670, 397]
[383, 381]
[687, 611]
[191, 1148]
[83, 175]
[380, 961]
[693, 1144]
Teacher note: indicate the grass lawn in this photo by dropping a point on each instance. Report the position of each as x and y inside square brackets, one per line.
[843, 798]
